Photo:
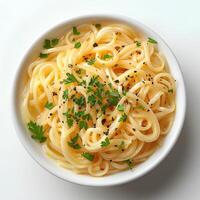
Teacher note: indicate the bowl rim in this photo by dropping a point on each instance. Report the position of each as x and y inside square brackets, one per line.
[21, 130]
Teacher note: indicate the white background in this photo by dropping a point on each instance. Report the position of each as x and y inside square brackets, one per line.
[178, 22]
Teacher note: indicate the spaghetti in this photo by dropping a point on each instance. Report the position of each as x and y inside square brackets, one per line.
[100, 99]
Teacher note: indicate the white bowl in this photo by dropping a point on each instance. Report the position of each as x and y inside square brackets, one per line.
[34, 148]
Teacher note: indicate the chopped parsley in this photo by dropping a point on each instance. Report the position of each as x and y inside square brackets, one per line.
[98, 26]
[70, 79]
[87, 117]
[93, 80]
[43, 55]
[92, 100]
[47, 44]
[79, 101]
[75, 31]
[88, 156]
[138, 44]
[50, 43]
[113, 97]
[54, 42]
[80, 117]
[151, 40]
[77, 45]
[37, 131]
[103, 108]
[73, 143]
[120, 107]
[129, 163]
[49, 105]
[105, 143]
[123, 118]
[70, 120]
[82, 124]
[91, 61]
[97, 90]
[171, 90]
[90, 89]
[65, 94]
[107, 56]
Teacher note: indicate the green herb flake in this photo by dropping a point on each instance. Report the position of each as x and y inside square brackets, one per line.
[87, 117]
[105, 143]
[50, 43]
[80, 101]
[129, 163]
[78, 115]
[54, 42]
[70, 120]
[49, 105]
[43, 55]
[120, 107]
[74, 146]
[99, 93]
[75, 31]
[65, 94]
[88, 156]
[92, 100]
[77, 45]
[151, 40]
[82, 124]
[123, 118]
[47, 44]
[113, 97]
[70, 79]
[138, 44]
[107, 56]
[103, 108]
[75, 139]
[91, 61]
[73, 143]
[171, 91]
[37, 131]
[98, 26]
